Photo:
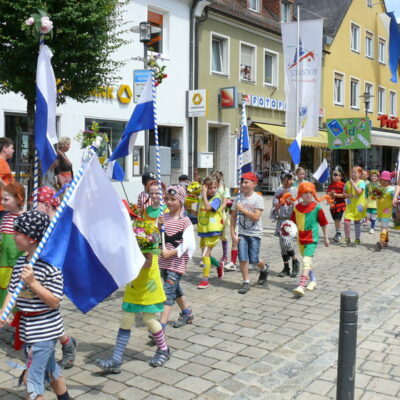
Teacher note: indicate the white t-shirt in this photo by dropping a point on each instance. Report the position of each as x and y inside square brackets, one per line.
[248, 227]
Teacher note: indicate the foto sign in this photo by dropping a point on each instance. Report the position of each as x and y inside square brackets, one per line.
[197, 103]
[349, 133]
[140, 77]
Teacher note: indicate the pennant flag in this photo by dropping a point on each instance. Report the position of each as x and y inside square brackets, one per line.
[93, 241]
[114, 171]
[295, 148]
[142, 118]
[45, 116]
[245, 157]
[394, 46]
[322, 173]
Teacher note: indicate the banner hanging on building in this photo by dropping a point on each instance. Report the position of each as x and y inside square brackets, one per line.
[349, 133]
[308, 60]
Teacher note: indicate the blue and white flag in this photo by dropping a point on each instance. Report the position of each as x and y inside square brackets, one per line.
[93, 241]
[394, 46]
[45, 116]
[245, 157]
[322, 173]
[142, 118]
[295, 148]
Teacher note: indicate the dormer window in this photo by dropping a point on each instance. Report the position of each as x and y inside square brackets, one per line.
[254, 5]
[286, 12]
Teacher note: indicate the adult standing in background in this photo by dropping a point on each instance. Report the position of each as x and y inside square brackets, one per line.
[63, 170]
[6, 153]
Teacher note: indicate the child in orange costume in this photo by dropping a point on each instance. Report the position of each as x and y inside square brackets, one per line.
[308, 215]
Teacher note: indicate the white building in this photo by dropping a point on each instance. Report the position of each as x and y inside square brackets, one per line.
[114, 109]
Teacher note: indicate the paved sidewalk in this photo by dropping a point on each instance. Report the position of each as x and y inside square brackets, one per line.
[262, 345]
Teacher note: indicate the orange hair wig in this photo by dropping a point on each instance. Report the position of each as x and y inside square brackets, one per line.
[304, 187]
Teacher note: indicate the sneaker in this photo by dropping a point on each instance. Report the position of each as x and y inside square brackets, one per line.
[371, 231]
[299, 291]
[337, 237]
[220, 269]
[263, 276]
[110, 365]
[160, 358]
[230, 266]
[244, 288]
[379, 246]
[284, 272]
[68, 354]
[346, 242]
[295, 268]
[357, 242]
[312, 285]
[183, 320]
[203, 285]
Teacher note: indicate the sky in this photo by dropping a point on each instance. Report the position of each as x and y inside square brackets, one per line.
[393, 5]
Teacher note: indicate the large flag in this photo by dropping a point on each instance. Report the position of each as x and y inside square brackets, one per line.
[307, 60]
[141, 119]
[295, 148]
[245, 157]
[322, 173]
[394, 46]
[45, 116]
[93, 241]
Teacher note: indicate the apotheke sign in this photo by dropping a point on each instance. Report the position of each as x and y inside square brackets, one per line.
[264, 102]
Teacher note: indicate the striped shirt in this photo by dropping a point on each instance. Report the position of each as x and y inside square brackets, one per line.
[144, 200]
[180, 232]
[7, 223]
[48, 324]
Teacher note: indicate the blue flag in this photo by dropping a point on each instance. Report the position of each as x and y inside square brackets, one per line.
[322, 173]
[394, 46]
[245, 157]
[295, 148]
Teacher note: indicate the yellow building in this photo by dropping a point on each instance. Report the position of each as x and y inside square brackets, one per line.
[356, 62]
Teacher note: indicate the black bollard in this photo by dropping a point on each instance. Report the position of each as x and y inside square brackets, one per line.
[347, 346]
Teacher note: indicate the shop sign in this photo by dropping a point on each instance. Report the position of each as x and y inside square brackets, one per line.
[349, 133]
[123, 93]
[228, 97]
[197, 103]
[247, 99]
[266, 102]
[140, 77]
[388, 122]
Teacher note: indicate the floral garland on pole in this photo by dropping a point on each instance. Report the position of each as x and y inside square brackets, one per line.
[39, 23]
[153, 62]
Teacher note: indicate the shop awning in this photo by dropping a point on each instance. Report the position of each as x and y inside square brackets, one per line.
[280, 131]
[380, 138]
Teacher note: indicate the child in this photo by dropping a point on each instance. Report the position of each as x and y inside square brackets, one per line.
[179, 247]
[41, 323]
[248, 210]
[354, 192]
[308, 215]
[152, 212]
[384, 208]
[6, 153]
[48, 203]
[144, 198]
[371, 202]
[12, 200]
[283, 212]
[209, 226]
[336, 192]
[184, 181]
[300, 177]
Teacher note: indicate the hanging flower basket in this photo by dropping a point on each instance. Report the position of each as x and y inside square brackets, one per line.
[88, 136]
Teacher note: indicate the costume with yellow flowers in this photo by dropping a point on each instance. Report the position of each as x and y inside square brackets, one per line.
[384, 213]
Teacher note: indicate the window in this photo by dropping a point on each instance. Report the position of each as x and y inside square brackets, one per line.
[382, 51]
[369, 45]
[370, 89]
[286, 12]
[270, 68]
[247, 62]
[381, 101]
[338, 89]
[156, 20]
[354, 93]
[369, 3]
[392, 104]
[254, 5]
[355, 38]
[219, 54]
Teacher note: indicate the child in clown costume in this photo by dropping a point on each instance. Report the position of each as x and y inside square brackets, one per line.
[308, 216]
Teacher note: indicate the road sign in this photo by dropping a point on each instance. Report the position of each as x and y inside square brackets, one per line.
[140, 77]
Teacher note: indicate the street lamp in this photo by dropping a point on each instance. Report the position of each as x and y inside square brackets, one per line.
[367, 100]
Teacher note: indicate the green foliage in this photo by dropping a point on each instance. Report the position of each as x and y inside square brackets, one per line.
[86, 33]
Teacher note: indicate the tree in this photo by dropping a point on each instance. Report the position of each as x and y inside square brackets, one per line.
[85, 34]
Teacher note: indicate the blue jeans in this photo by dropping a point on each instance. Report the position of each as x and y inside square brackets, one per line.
[42, 366]
[172, 288]
[249, 249]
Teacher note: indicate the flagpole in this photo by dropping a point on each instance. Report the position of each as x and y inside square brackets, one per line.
[89, 153]
[243, 121]
[298, 76]
[158, 163]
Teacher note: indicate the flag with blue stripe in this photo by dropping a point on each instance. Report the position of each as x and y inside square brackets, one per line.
[245, 157]
[322, 173]
[45, 115]
[295, 148]
[394, 46]
[93, 241]
[141, 119]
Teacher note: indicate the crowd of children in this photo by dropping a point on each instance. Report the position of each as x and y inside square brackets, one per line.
[173, 212]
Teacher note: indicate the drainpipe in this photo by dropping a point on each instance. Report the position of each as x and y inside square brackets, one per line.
[196, 12]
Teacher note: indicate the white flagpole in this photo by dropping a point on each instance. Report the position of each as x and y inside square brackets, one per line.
[298, 75]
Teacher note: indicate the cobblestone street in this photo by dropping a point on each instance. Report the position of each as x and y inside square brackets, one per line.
[266, 344]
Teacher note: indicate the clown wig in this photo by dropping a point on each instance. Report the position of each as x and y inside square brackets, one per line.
[304, 187]
[17, 191]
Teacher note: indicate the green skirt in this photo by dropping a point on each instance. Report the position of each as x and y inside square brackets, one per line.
[138, 308]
